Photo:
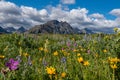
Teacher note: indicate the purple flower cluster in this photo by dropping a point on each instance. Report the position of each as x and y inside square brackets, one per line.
[12, 64]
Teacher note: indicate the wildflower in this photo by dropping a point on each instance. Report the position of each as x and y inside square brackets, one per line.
[80, 60]
[26, 54]
[88, 51]
[118, 33]
[62, 49]
[46, 50]
[68, 44]
[51, 70]
[5, 49]
[40, 59]
[86, 63]
[63, 74]
[63, 59]
[55, 53]
[104, 50]
[19, 58]
[12, 64]
[74, 50]
[75, 44]
[78, 54]
[44, 62]
[113, 60]
[81, 49]
[114, 66]
[73, 39]
[115, 29]
[41, 49]
[4, 71]
[29, 61]
[66, 53]
[19, 43]
[2, 57]
[96, 55]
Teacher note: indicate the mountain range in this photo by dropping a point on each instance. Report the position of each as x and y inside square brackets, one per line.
[56, 27]
[12, 30]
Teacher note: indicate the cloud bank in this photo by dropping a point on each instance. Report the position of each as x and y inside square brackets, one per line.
[12, 15]
[68, 1]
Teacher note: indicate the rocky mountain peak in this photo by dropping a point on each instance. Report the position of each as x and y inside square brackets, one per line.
[53, 26]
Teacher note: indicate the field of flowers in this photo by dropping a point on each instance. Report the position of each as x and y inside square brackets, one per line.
[60, 57]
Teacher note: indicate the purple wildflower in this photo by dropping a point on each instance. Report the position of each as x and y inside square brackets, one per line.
[29, 61]
[88, 51]
[62, 49]
[75, 44]
[68, 44]
[19, 58]
[12, 64]
[63, 60]
[44, 62]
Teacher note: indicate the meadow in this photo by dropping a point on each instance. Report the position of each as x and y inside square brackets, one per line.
[60, 57]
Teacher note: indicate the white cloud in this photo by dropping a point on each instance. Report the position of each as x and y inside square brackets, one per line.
[12, 15]
[97, 16]
[68, 1]
[7, 7]
[115, 12]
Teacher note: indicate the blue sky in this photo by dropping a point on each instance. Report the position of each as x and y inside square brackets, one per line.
[78, 13]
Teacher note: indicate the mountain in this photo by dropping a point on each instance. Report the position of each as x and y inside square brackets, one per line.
[52, 26]
[86, 30]
[21, 30]
[106, 30]
[2, 30]
[10, 29]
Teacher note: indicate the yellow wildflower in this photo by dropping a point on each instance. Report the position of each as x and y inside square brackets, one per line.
[118, 33]
[114, 66]
[40, 59]
[50, 70]
[73, 39]
[115, 29]
[75, 50]
[46, 50]
[2, 57]
[80, 60]
[65, 53]
[113, 60]
[41, 49]
[96, 55]
[19, 42]
[26, 54]
[78, 54]
[63, 74]
[5, 49]
[81, 49]
[104, 50]
[86, 63]
[55, 53]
